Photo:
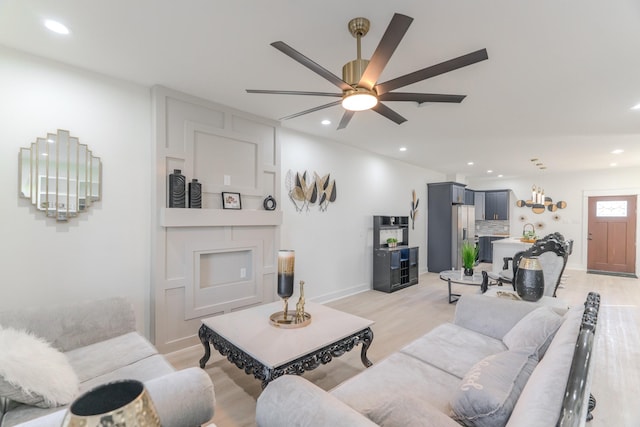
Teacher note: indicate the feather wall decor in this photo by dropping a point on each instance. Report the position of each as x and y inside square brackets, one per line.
[413, 213]
[305, 191]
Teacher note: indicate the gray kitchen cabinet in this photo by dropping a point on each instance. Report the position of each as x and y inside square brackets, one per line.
[478, 197]
[457, 194]
[469, 198]
[496, 205]
[485, 247]
[448, 224]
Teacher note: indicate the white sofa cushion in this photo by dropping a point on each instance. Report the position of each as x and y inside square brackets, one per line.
[488, 392]
[395, 378]
[33, 372]
[437, 347]
[535, 330]
[90, 361]
[408, 411]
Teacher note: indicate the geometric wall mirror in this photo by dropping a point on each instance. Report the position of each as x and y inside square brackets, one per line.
[60, 176]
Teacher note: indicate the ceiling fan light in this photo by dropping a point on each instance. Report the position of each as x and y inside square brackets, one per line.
[359, 100]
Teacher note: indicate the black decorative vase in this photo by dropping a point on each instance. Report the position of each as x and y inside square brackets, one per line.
[195, 194]
[177, 190]
[468, 271]
[269, 203]
[529, 280]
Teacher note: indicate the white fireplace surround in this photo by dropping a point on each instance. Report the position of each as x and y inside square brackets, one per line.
[212, 260]
[224, 274]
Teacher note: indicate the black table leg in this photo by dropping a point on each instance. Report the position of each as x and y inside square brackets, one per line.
[207, 348]
[366, 342]
[451, 299]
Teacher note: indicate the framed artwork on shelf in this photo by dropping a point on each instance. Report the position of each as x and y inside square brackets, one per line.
[231, 201]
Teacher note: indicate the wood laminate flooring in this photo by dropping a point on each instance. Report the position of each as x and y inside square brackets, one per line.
[407, 314]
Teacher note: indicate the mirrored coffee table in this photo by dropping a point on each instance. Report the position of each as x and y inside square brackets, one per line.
[458, 277]
[248, 340]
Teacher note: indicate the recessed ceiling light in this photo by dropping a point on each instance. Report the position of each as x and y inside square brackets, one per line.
[470, 163]
[613, 164]
[617, 151]
[326, 122]
[636, 107]
[500, 176]
[403, 148]
[56, 26]
[489, 171]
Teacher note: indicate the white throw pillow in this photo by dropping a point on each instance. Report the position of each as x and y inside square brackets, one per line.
[33, 372]
[535, 330]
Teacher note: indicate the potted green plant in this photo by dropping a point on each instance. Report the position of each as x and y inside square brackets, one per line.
[392, 242]
[469, 253]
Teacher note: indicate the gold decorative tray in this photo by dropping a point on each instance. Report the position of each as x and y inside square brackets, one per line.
[522, 239]
[277, 319]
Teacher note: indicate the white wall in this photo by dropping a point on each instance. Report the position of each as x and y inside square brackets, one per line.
[574, 188]
[334, 249]
[105, 251]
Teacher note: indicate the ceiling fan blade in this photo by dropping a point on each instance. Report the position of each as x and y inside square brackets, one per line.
[390, 40]
[311, 110]
[382, 109]
[316, 68]
[295, 92]
[346, 118]
[421, 97]
[434, 70]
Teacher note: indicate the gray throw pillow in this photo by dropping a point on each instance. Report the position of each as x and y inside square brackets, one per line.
[535, 330]
[491, 388]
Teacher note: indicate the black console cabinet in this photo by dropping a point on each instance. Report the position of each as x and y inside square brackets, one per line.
[393, 267]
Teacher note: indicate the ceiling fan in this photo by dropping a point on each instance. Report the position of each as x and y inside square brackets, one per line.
[360, 90]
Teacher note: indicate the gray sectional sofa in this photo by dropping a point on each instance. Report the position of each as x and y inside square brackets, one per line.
[100, 343]
[499, 363]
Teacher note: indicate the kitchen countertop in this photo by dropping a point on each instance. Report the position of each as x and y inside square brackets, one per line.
[511, 240]
[506, 247]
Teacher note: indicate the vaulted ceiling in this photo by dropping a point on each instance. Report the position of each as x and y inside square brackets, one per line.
[559, 85]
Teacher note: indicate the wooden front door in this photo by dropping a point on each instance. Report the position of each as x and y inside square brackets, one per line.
[612, 234]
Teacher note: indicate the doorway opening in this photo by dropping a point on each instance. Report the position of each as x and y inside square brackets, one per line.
[611, 241]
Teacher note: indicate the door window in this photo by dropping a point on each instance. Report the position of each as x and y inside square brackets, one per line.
[611, 208]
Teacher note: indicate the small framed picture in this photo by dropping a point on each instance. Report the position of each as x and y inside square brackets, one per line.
[231, 201]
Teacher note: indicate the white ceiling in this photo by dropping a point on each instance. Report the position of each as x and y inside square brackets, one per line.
[559, 84]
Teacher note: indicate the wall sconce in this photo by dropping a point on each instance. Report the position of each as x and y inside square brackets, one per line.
[539, 202]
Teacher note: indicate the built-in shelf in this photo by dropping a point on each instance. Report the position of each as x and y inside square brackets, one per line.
[184, 217]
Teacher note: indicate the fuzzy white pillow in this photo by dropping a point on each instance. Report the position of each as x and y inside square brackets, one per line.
[33, 372]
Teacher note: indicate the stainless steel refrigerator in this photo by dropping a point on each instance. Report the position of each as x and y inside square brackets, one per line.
[463, 227]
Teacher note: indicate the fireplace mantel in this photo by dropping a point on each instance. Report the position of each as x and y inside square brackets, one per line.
[178, 217]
